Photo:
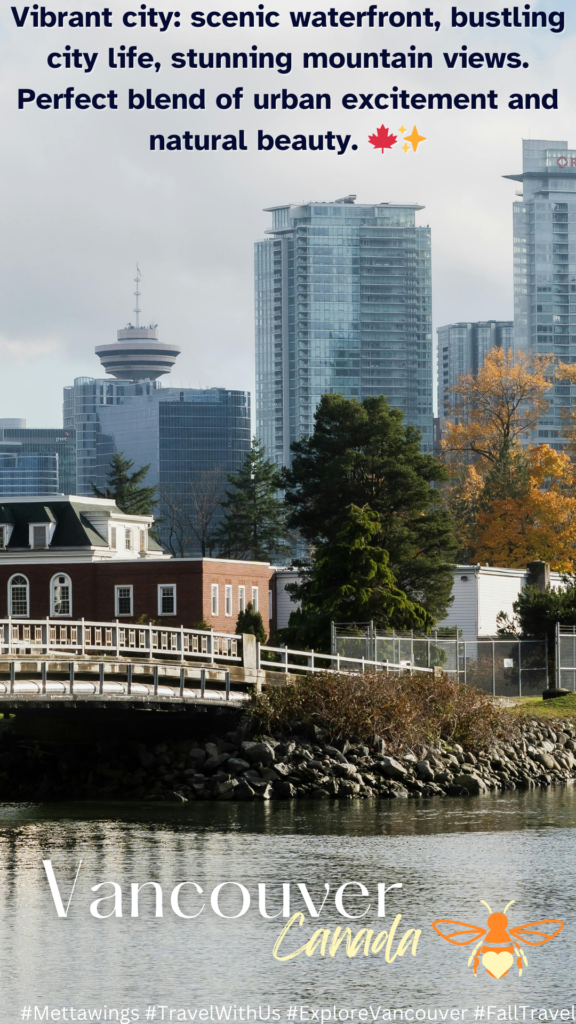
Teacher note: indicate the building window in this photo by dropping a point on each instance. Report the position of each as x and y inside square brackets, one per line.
[227, 600]
[143, 540]
[61, 595]
[113, 537]
[214, 599]
[18, 597]
[123, 602]
[128, 539]
[241, 599]
[3, 537]
[38, 538]
[255, 598]
[167, 599]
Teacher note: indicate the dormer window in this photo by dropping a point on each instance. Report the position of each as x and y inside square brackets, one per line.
[113, 537]
[5, 534]
[128, 539]
[39, 536]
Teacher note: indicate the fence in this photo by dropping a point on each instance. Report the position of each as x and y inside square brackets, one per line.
[566, 656]
[503, 667]
[284, 659]
[51, 636]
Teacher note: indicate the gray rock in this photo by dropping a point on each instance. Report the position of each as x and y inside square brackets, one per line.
[473, 783]
[424, 771]
[335, 755]
[269, 774]
[198, 756]
[265, 793]
[211, 749]
[147, 760]
[393, 769]
[237, 765]
[284, 790]
[258, 752]
[243, 791]
[545, 759]
[396, 791]
[213, 763]
[225, 790]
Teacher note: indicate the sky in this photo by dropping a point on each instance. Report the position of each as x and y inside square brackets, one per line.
[83, 198]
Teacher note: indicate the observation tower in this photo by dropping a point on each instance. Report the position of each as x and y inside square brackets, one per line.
[138, 355]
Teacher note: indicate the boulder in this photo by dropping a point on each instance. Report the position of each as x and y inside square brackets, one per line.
[393, 769]
[396, 791]
[335, 755]
[243, 791]
[198, 756]
[258, 752]
[211, 749]
[213, 763]
[237, 765]
[284, 790]
[424, 771]
[473, 783]
[545, 759]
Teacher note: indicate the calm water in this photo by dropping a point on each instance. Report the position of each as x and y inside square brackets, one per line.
[447, 854]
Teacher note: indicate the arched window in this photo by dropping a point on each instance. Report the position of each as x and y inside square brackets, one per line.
[60, 595]
[18, 597]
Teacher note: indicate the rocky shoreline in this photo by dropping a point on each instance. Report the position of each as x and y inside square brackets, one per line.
[282, 767]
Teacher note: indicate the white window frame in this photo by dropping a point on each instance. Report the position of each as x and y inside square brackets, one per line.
[128, 539]
[53, 583]
[214, 599]
[228, 600]
[113, 542]
[48, 534]
[143, 538]
[117, 588]
[161, 588]
[241, 599]
[19, 615]
[255, 598]
[5, 534]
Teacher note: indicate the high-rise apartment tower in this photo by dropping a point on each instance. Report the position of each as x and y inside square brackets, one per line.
[545, 267]
[462, 348]
[343, 304]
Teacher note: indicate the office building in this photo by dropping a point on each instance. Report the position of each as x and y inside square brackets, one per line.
[43, 460]
[462, 348]
[343, 305]
[545, 267]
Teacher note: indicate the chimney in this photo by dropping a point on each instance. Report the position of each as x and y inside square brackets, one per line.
[538, 575]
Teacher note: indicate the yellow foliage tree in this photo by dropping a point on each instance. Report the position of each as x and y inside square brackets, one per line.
[512, 501]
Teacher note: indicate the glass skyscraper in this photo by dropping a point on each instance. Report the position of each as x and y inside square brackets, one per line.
[24, 475]
[49, 447]
[462, 349]
[343, 304]
[545, 267]
[179, 432]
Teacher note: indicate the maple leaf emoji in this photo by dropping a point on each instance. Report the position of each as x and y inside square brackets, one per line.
[382, 139]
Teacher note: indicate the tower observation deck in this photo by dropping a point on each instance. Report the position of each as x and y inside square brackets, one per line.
[138, 354]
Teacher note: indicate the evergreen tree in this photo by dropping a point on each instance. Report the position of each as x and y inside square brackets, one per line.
[125, 487]
[251, 622]
[254, 525]
[361, 453]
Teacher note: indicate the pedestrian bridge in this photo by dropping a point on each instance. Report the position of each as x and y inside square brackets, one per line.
[49, 661]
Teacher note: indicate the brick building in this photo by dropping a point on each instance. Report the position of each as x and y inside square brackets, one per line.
[74, 557]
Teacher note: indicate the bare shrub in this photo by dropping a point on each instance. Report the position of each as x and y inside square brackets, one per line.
[407, 711]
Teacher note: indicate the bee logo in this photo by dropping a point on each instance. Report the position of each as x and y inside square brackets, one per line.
[501, 945]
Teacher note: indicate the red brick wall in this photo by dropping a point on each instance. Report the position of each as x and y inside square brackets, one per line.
[93, 588]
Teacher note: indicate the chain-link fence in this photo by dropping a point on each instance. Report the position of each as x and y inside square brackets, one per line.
[566, 656]
[503, 667]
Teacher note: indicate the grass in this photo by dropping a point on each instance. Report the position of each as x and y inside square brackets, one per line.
[535, 707]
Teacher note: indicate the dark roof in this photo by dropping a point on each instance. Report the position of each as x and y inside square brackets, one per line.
[73, 529]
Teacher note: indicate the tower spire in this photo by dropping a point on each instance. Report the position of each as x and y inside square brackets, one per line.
[137, 294]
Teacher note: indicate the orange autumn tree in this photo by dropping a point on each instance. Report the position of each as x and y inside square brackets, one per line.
[512, 501]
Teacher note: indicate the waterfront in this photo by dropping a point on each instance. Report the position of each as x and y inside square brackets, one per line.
[448, 855]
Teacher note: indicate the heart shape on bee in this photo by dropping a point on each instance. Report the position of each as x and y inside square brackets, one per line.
[497, 963]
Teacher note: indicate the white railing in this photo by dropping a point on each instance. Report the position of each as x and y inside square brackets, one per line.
[316, 662]
[116, 639]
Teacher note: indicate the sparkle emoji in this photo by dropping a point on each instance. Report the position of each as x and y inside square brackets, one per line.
[414, 139]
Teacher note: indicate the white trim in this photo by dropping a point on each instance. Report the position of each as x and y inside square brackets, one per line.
[228, 599]
[117, 588]
[255, 602]
[53, 613]
[10, 581]
[161, 587]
